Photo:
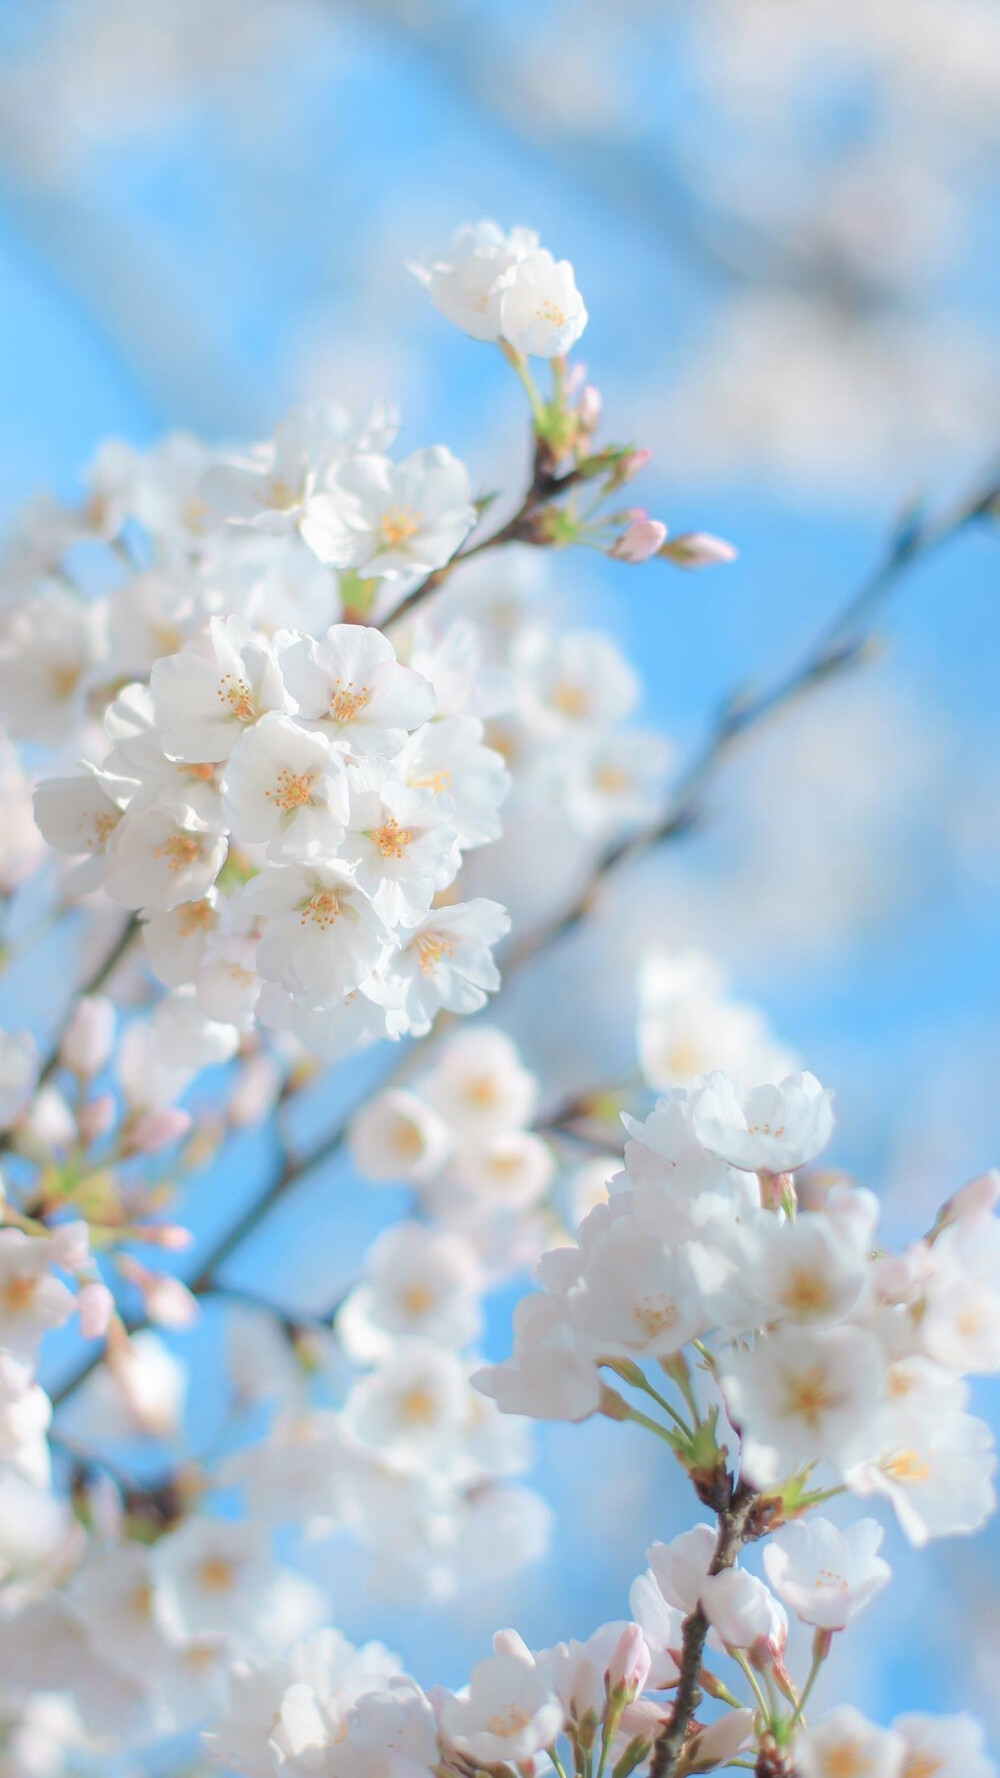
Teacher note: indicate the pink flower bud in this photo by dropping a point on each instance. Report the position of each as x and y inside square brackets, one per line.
[153, 1130]
[628, 1667]
[171, 1235]
[720, 1742]
[69, 1245]
[573, 380]
[167, 1300]
[257, 1085]
[89, 1036]
[642, 539]
[698, 549]
[975, 1199]
[95, 1305]
[589, 408]
[96, 1118]
[49, 1122]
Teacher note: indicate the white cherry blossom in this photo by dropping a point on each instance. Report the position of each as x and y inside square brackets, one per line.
[447, 961]
[541, 310]
[509, 1710]
[206, 696]
[799, 1396]
[776, 1129]
[351, 682]
[824, 1574]
[465, 281]
[286, 788]
[155, 861]
[844, 1740]
[396, 1135]
[321, 934]
[392, 519]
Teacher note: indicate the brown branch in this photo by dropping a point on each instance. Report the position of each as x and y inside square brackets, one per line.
[733, 1532]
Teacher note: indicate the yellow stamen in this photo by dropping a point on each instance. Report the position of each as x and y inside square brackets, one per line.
[398, 525]
[391, 839]
[291, 791]
[179, 851]
[432, 948]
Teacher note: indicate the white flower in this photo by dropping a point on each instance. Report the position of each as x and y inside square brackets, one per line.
[960, 1322]
[395, 1135]
[514, 1169]
[214, 689]
[447, 961]
[799, 1396]
[688, 1025]
[390, 1733]
[153, 860]
[926, 1455]
[329, 1676]
[413, 1408]
[807, 1273]
[352, 683]
[845, 1741]
[612, 782]
[269, 488]
[480, 1086]
[78, 815]
[662, 1625]
[743, 1612]
[242, 1736]
[182, 1036]
[824, 1574]
[390, 519]
[321, 934]
[400, 842]
[447, 757]
[152, 615]
[509, 1711]
[115, 1591]
[418, 1281]
[571, 682]
[18, 1074]
[140, 1388]
[216, 1577]
[176, 939]
[776, 1128]
[32, 1298]
[345, 1023]
[637, 1298]
[541, 310]
[942, 1746]
[547, 1376]
[49, 648]
[680, 1567]
[137, 771]
[286, 788]
[465, 281]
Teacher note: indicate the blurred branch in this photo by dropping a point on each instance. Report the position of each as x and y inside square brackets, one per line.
[841, 645]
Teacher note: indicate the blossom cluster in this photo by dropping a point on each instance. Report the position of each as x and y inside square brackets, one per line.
[827, 1356]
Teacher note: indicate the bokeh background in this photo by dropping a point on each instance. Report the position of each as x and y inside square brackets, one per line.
[783, 218]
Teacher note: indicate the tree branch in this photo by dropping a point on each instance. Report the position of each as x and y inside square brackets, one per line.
[732, 1534]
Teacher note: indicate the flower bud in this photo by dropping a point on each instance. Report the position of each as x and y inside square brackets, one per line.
[153, 1130]
[642, 539]
[89, 1037]
[698, 549]
[167, 1301]
[626, 469]
[96, 1118]
[95, 1306]
[720, 1742]
[588, 409]
[49, 1123]
[628, 1667]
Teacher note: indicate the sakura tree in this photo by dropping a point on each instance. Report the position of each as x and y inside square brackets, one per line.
[285, 706]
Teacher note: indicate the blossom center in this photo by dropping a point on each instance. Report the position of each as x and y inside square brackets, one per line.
[436, 781]
[399, 524]
[921, 1765]
[19, 1293]
[417, 1407]
[845, 1760]
[203, 774]
[323, 909]
[611, 779]
[432, 948]
[216, 1575]
[236, 693]
[194, 916]
[292, 790]
[508, 1720]
[550, 311]
[568, 699]
[391, 839]
[179, 851]
[805, 1293]
[280, 496]
[906, 1466]
[103, 826]
[345, 702]
[809, 1394]
[655, 1315]
[65, 679]
[417, 1299]
[825, 1577]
